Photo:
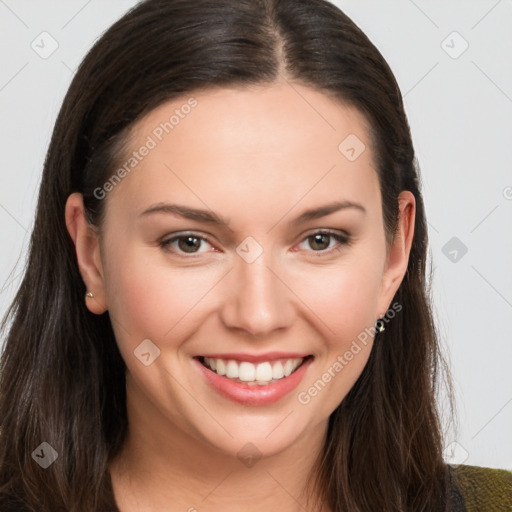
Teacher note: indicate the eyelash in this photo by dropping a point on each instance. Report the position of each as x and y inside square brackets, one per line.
[342, 239]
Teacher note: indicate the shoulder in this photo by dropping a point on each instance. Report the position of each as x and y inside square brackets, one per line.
[481, 488]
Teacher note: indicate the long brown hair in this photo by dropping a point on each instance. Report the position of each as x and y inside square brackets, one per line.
[62, 378]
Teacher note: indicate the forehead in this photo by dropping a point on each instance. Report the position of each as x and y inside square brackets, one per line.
[253, 143]
[254, 115]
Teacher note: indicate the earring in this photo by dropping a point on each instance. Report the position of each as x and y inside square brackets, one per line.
[89, 294]
[379, 325]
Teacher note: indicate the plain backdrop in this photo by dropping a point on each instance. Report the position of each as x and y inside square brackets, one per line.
[453, 62]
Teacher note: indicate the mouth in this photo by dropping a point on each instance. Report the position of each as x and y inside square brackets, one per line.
[256, 383]
[245, 372]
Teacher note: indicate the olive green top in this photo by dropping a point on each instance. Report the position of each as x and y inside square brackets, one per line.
[479, 489]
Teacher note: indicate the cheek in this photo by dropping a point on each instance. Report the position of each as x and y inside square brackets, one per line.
[149, 298]
[344, 297]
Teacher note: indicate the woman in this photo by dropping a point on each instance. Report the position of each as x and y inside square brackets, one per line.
[225, 305]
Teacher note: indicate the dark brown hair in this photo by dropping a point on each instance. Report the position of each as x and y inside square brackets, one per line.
[62, 378]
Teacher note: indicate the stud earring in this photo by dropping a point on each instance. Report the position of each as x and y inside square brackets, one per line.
[89, 294]
[379, 325]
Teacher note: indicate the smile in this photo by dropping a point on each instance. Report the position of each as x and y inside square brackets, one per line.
[254, 383]
[261, 373]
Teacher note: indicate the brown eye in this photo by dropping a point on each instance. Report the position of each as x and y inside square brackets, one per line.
[189, 243]
[186, 244]
[319, 241]
[322, 242]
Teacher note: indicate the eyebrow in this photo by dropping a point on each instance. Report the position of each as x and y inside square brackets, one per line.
[212, 218]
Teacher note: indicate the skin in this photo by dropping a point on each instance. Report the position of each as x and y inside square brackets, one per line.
[258, 157]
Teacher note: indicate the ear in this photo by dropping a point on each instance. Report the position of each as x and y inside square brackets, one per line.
[88, 253]
[398, 254]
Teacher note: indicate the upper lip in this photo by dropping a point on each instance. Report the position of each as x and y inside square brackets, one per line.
[255, 358]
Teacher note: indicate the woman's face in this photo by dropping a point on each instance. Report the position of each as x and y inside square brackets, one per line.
[211, 247]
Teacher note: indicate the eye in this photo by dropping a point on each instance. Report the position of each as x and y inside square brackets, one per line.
[188, 243]
[324, 242]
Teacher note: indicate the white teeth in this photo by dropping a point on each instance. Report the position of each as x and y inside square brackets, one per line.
[263, 372]
[277, 370]
[287, 368]
[220, 367]
[246, 371]
[232, 370]
[259, 374]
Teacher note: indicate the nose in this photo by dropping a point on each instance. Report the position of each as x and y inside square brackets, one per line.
[257, 300]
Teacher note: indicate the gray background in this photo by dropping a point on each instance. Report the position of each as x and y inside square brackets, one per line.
[459, 104]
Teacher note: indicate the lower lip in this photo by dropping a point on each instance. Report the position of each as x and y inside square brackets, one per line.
[254, 394]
